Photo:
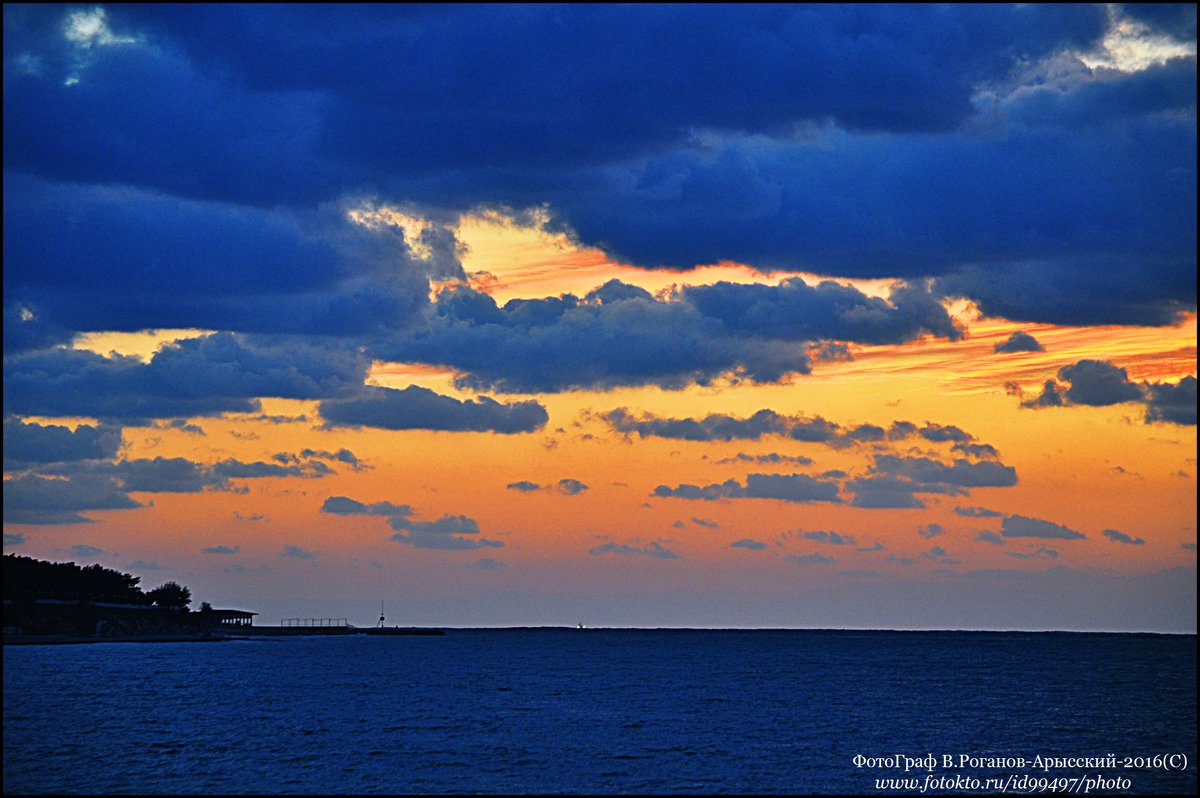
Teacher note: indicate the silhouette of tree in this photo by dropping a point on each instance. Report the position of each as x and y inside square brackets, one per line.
[171, 595]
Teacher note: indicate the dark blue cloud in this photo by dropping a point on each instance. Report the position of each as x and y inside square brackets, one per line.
[524, 485]
[221, 549]
[1174, 404]
[1098, 383]
[29, 443]
[204, 376]
[415, 407]
[35, 499]
[164, 262]
[293, 102]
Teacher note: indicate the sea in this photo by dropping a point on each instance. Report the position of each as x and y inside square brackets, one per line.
[560, 710]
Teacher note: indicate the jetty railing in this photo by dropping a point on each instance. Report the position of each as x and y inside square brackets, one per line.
[314, 622]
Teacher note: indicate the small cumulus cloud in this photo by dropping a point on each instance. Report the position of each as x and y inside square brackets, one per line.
[986, 536]
[299, 552]
[83, 550]
[487, 564]
[1040, 553]
[654, 550]
[928, 531]
[816, 558]
[1019, 342]
[747, 543]
[1117, 536]
[221, 549]
[832, 538]
[570, 487]
[1020, 526]
[524, 485]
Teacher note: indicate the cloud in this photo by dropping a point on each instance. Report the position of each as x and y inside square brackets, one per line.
[35, 499]
[85, 551]
[222, 549]
[785, 487]
[625, 550]
[704, 522]
[487, 564]
[986, 536]
[1099, 383]
[144, 565]
[928, 531]
[1117, 536]
[987, 122]
[571, 486]
[299, 552]
[816, 558]
[1040, 553]
[28, 443]
[444, 533]
[1019, 342]
[1174, 404]
[341, 505]
[747, 543]
[415, 407]
[832, 538]
[939, 555]
[204, 376]
[524, 485]
[1020, 526]
[771, 458]
[14, 539]
[977, 512]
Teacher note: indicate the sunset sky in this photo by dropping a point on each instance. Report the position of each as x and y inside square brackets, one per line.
[816, 316]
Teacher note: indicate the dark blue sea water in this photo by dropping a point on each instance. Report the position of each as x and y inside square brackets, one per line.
[600, 711]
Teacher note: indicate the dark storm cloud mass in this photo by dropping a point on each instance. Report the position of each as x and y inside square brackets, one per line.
[165, 262]
[415, 407]
[856, 141]
[192, 166]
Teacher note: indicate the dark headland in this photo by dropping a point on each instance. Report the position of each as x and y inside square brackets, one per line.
[51, 603]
